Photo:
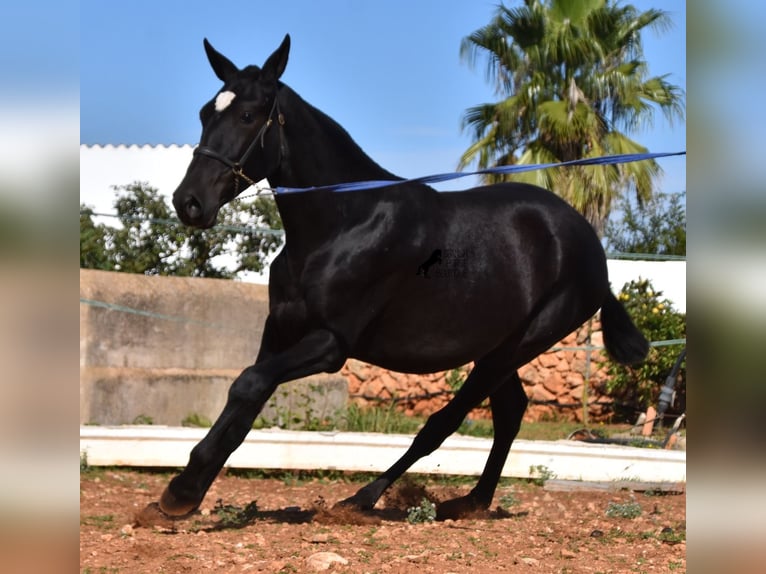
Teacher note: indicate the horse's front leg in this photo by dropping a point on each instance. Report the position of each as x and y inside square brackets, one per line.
[319, 351]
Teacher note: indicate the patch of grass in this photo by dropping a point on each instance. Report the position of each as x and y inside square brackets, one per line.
[666, 535]
[481, 428]
[424, 512]
[389, 419]
[508, 500]
[101, 521]
[302, 476]
[375, 543]
[196, 420]
[670, 536]
[375, 419]
[629, 510]
[143, 420]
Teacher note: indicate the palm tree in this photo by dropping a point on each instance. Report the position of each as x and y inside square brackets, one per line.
[574, 85]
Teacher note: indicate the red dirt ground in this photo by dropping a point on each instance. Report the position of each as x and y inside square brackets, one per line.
[286, 525]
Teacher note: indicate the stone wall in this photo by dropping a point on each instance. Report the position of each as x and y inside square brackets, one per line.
[554, 382]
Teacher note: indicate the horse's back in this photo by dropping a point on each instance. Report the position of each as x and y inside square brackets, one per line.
[503, 250]
[530, 222]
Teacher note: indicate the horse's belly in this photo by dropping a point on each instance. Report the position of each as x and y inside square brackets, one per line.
[435, 329]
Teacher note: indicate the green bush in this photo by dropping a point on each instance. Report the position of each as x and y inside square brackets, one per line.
[636, 388]
[426, 512]
[629, 510]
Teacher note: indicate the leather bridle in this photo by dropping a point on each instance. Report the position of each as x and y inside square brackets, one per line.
[237, 167]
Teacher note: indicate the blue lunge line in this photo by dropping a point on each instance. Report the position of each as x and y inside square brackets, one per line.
[503, 169]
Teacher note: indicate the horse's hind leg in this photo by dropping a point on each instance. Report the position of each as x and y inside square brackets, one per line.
[480, 384]
[508, 404]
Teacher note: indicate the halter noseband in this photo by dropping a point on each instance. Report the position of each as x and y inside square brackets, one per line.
[237, 167]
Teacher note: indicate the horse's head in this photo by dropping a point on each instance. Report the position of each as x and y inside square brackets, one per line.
[241, 140]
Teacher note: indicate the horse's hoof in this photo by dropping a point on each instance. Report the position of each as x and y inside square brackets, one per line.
[151, 516]
[173, 506]
[354, 503]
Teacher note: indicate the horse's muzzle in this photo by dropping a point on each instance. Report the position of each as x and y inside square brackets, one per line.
[191, 212]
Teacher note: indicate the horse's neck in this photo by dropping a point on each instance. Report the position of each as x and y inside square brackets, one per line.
[317, 152]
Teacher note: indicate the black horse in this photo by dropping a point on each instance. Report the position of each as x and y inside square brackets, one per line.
[346, 284]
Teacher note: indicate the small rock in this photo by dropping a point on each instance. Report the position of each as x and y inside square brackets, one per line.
[318, 538]
[528, 561]
[417, 557]
[127, 530]
[323, 560]
[567, 553]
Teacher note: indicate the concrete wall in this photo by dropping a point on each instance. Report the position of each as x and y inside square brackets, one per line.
[180, 354]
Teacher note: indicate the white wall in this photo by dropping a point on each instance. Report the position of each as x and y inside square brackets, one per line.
[102, 167]
[666, 276]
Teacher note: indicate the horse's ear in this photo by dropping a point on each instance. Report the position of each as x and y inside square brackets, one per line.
[222, 66]
[274, 67]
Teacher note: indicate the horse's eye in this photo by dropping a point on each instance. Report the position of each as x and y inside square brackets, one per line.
[247, 117]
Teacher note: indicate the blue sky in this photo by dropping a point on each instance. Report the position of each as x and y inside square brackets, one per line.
[390, 72]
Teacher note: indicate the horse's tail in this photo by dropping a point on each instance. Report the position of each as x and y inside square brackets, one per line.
[622, 339]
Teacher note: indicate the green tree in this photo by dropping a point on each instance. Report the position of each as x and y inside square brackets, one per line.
[658, 226]
[573, 84]
[94, 251]
[151, 241]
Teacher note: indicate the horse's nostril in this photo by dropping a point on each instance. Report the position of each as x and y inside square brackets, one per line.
[193, 209]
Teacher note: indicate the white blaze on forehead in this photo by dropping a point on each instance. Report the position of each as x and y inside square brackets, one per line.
[223, 100]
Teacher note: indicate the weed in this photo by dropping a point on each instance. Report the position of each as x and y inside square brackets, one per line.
[477, 427]
[425, 512]
[539, 473]
[231, 516]
[628, 510]
[508, 500]
[388, 420]
[670, 536]
[84, 461]
[196, 420]
[455, 379]
[143, 420]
